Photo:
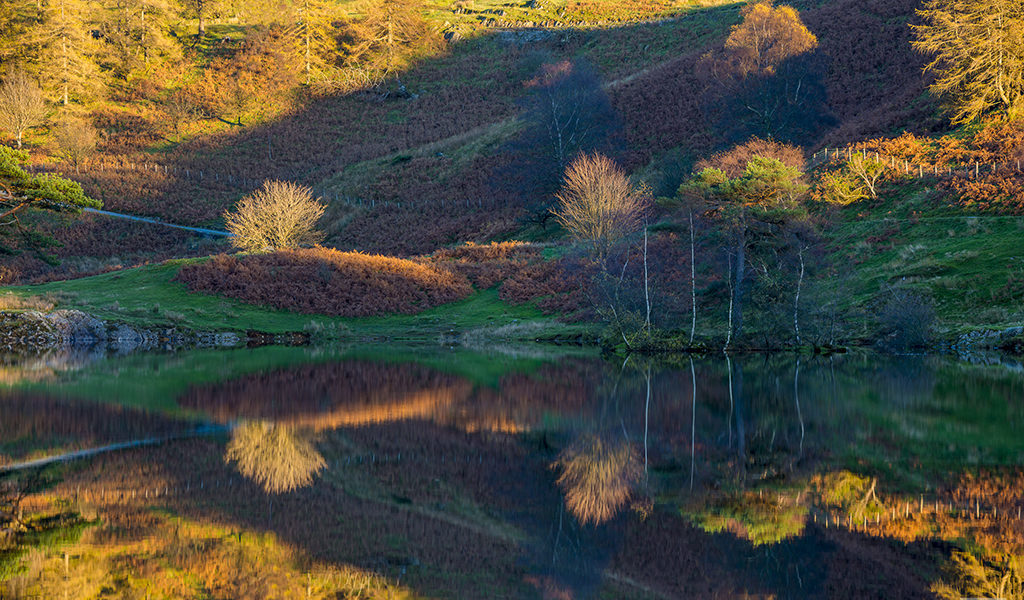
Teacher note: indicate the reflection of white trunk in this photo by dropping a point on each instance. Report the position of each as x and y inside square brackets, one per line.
[728, 362]
[647, 290]
[796, 396]
[647, 416]
[693, 424]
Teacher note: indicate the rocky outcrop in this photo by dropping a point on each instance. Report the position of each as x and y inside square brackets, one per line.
[1002, 339]
[33, 331]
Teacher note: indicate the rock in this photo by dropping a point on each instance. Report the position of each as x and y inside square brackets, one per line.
[81, 329]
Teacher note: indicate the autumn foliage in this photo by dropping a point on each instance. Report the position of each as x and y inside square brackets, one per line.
[323, 281]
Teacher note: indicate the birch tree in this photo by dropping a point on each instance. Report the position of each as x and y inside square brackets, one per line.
[598, 204]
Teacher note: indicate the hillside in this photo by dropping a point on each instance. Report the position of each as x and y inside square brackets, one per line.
[439, 153]
[383, 161]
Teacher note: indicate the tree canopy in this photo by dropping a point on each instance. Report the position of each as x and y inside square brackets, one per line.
[978, 50]
[767, 79]
[19, 190]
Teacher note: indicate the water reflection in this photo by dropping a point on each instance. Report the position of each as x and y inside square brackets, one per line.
[277, 457]
[598, 475]
[452, 472]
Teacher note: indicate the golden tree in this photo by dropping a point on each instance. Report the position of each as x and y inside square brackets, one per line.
[767, 79]
[978, 49]
[387, 35]
[280, 215]
[62, 49]
[598, 477]
[598, 204]
[274, 456]
[767, 36]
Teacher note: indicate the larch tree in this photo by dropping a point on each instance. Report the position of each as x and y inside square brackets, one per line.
[387, 35]
[63, 49]
[978, 55]
[21, 104]
[16, 20]
[134, 33]
[318, 46]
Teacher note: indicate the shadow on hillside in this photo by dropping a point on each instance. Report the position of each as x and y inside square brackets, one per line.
[406, 175]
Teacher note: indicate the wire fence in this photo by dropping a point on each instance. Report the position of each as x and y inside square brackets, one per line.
[920, 170]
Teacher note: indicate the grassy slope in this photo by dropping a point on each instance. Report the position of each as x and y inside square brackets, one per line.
[147, 297]
[970, 265]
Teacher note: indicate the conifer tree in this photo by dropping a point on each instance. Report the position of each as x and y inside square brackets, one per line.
[978, 50]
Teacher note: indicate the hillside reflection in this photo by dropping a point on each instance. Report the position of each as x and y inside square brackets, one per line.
[720, 477]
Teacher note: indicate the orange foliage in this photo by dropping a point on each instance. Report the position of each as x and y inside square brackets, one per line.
[486, 265]
[324, 281]
[733, 162]
[767, 37]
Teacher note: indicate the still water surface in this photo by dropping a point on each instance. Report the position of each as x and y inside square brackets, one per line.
[386, 472]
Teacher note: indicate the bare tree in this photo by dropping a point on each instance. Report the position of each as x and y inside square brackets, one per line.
[280, 215]
[566, 112]
[598, 477]
[21, 104]
[182, 108]
[76, 141]
[598, 204]
[274, 456]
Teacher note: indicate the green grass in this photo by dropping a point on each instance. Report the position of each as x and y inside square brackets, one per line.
[972, 266]
[147, 297]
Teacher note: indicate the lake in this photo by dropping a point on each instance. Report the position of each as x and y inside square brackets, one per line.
[509, 472]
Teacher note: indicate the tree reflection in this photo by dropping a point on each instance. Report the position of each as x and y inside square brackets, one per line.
[598, 477]
[274, 456]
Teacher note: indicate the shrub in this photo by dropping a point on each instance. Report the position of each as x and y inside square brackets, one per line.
[279, 216]
[733, 162]
[324, 281]
[906, 321]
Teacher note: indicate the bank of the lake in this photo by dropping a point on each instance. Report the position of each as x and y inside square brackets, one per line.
[147, 298]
